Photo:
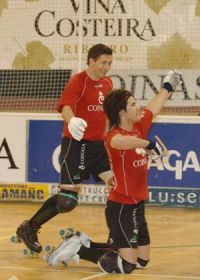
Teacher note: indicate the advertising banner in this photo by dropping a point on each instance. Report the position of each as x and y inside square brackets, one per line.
[44, 149]
[59, 33]
[182, 167]
[165, 196]
[174, 180]
[89, 193]
[12, 149]
[144, 84]
[24, 192]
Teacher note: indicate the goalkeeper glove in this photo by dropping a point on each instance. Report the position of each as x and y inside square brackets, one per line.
[76, 127]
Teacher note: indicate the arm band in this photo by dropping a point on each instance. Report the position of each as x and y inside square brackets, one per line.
[168, 87]
[151, 145]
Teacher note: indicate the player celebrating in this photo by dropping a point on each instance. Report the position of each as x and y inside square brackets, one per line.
[125, 209]
[82, 149]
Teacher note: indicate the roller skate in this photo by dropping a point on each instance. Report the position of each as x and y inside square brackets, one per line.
[67, 250]
[28, 234]
[69, 232]
[65, 234]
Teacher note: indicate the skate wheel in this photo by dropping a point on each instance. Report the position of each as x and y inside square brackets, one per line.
[66, 233]
[49, 249]
[15, 239]
[27, 252]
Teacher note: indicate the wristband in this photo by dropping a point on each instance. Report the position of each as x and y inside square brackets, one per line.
[151, 145]
[168, 87]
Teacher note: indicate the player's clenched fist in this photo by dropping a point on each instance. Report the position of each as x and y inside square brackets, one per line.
[77, 127]
[171, 80]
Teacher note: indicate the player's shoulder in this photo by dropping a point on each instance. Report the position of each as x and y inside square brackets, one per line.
[147, 115]
[107, 80]
[78, 78]
[144, 124]
[112, 132]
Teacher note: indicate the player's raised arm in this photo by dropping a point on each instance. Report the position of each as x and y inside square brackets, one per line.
[171, 80]
[126, 142]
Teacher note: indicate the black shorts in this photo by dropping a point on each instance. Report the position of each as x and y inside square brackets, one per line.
[127, 224]
[79, 159]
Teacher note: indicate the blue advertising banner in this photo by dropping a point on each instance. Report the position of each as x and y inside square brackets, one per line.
[182, 168]
[174, 180]
[44, 147]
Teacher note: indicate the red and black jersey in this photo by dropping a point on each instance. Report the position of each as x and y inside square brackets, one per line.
[85, 96]
[129, 169]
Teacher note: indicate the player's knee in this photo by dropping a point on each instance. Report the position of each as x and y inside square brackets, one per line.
[111, 262]
[66, 202]
[141, 263]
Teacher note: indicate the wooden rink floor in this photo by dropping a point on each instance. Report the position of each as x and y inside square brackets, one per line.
[175, 244]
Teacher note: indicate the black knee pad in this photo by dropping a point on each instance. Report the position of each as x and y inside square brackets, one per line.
[111, 262]
[66, 201]
[141, 263]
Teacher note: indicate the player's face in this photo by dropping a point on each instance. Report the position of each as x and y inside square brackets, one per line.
[133, 111]
[100, 66]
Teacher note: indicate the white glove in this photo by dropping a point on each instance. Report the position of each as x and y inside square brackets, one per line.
[76, 127]
[155, 151]
[171, 80]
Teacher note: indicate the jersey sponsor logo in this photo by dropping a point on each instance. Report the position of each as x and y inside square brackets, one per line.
[97, 107]
[134, 238]
[101, 97]
[82, 157]
[77, 176]
[140, 162]
[81, 167]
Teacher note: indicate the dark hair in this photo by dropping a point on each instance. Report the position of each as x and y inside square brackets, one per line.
[114, 102]
[97, 50]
